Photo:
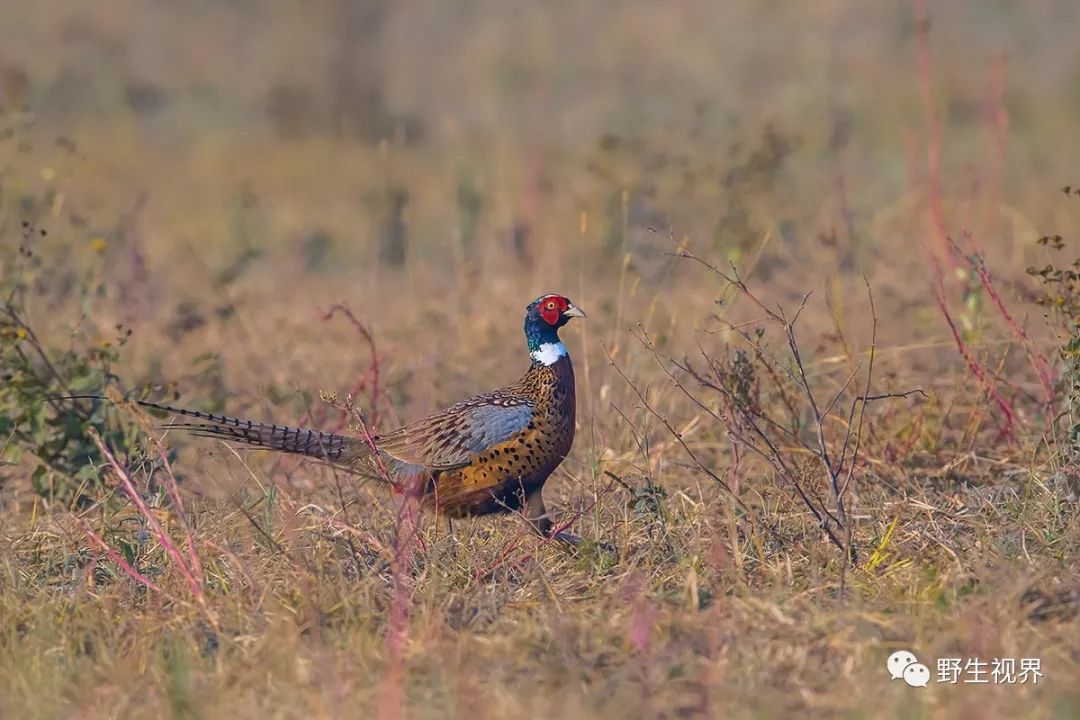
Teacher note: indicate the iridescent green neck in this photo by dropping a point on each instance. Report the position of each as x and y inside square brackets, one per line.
[543, 340]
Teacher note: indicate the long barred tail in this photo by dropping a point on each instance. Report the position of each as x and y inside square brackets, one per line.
[336, 449]
[326, 446]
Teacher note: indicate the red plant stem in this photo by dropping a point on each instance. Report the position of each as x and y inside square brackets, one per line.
[151, 519]
[376, 457]
[319, 416]
[973, 364]
[173, 489]
[402, 589]
[366, 335]
[115, 557]
[1038, 360]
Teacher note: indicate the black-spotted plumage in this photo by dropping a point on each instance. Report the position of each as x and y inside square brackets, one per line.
[489, 454]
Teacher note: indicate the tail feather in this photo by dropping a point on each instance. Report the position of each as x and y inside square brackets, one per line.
[329, 447]
[282, 438]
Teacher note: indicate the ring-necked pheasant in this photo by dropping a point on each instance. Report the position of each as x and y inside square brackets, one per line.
[490, 453]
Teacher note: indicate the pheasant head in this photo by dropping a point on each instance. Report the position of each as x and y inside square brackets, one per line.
[543, 318]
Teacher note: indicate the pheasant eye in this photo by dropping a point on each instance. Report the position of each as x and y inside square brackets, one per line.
[551, 305]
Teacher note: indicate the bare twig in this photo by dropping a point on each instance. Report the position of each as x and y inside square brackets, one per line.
[698, 463]
[893, 395]
[756, 430]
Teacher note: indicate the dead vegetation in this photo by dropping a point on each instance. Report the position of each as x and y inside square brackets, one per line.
[820, 421]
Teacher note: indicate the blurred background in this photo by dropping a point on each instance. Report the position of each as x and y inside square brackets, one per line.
[188, 189]
[232, 169]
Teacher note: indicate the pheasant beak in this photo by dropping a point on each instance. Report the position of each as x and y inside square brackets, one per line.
[573, 311]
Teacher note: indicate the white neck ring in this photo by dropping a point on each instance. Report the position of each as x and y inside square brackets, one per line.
[548, 353]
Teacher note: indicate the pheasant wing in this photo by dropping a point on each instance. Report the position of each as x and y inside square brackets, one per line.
[449, 439]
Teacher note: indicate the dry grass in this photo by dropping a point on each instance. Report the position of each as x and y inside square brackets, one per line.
[798, 144]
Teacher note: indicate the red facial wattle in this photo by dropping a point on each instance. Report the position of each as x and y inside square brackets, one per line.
[552, 307]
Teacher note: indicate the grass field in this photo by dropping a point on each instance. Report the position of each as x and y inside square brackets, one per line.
[825, 411]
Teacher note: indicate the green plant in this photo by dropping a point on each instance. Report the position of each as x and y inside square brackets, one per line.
[1059, 281]
[37, 424]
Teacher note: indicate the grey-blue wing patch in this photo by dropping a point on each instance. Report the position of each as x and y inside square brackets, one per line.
[489, 425]
[449, 439]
